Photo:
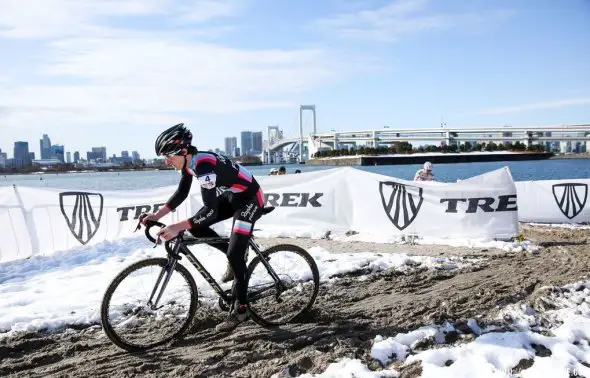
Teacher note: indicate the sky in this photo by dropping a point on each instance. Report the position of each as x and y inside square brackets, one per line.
[116, 73]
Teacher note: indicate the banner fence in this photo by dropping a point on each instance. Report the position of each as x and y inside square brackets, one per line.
[41, 221]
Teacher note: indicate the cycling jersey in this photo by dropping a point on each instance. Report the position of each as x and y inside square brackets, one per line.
[218, 176]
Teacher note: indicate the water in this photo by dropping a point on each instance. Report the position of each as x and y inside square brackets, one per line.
[521, 171]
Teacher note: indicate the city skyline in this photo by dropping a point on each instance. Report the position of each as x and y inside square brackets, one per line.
[109, 73]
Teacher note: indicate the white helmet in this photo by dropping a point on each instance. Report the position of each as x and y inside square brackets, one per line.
[428, 166]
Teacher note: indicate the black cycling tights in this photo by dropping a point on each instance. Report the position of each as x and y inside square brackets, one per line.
[243, 223]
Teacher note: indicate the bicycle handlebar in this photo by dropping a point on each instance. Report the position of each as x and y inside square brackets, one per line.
[148, 225]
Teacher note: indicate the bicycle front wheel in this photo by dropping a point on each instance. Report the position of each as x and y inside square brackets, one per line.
[279, 295]
[149, 304]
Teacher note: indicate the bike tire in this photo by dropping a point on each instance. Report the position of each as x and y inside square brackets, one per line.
[104, 316]
[261, 320]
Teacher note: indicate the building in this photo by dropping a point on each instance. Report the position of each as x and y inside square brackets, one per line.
[565, 147]
[246, 145]
[257, 143]
[68, 157]
[57, 152]
[21, 155]
[135, 156]
[45, 147]
[237, 152]
[76, 157]
[3, 159]
[231, 143]
[97, 154]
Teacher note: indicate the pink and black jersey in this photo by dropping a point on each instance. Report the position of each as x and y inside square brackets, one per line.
[217, 176]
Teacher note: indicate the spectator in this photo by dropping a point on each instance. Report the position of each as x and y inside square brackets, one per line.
[273, 172]
[297, 171]
[282, 171]
[425, 174]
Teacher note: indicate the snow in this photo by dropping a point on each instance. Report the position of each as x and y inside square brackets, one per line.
[382, 238]
[52, 292]
[518, 350]
[66, 288]
[571, 226]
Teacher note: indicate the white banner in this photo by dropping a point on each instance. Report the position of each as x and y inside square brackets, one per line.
[41, 221]
[483, 206]
[14, 238]
[57, 219]
[314, 201]
[554, 201]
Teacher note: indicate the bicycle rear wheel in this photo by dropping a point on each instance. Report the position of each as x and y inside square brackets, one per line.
[274, 303]
[129, 319]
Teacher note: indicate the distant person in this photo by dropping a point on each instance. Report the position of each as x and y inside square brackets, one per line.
[425, 174]
[273, 172]
[297, 171]
[282, 171]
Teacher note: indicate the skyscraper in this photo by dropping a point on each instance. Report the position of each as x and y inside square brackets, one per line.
[68, 157]
[21, 155]
[3, 158]
[99, 153]
[45, 147]
[257, 142]
[230, 145]
[76, 157]
[246, 139]
[135, 156]
[57, 152]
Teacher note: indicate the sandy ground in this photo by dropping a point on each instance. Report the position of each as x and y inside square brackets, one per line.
[348, 314]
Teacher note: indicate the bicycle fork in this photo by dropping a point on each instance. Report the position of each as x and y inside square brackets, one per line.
[166, 273]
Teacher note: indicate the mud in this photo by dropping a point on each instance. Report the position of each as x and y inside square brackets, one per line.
[347, 316]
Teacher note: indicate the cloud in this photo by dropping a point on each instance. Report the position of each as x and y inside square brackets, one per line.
[535, 106]
[61, 18]
[92, 73]
[400, 18]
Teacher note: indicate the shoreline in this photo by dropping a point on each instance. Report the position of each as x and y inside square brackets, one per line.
[357, 160]
[435, 158]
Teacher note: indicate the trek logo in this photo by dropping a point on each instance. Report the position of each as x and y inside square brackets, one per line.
[292, 199]
[400, 202]
[570, 198]
[82, 212]
[138, 210]
[505, 203]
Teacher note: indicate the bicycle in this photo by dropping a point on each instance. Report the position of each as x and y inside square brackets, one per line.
[262, 298]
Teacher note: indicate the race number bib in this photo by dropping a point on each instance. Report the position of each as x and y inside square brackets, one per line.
[208, 181]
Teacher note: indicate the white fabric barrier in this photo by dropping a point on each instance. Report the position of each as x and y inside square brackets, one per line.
[14, 238]
[351, 199]
[47, 220]
[484, 206]
[554, 201]
[41, 221]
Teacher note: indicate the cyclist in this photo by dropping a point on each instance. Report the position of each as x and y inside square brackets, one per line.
[228, 190]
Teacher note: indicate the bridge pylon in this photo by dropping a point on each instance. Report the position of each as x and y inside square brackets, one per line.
[301, 109]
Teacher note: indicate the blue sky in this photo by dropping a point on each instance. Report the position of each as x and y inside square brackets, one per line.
[116, 72]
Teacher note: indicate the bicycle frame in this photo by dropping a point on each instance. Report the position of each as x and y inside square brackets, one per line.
[181, 246]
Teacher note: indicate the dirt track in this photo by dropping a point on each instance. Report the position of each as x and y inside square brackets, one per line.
[347, 316]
